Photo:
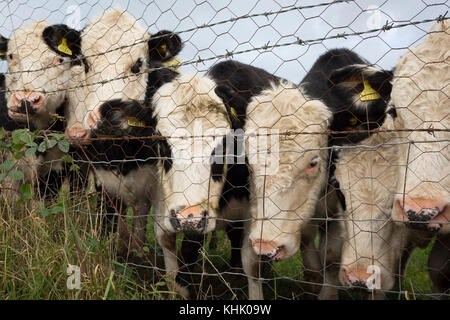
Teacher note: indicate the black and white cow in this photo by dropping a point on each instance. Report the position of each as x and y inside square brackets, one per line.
[119, 50]
[372, 175]
[283, 202]
[190, 195]
[43, 60]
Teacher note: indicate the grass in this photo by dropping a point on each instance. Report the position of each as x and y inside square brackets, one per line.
[36, 247]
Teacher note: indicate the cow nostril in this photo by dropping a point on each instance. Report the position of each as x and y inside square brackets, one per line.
[37, 100]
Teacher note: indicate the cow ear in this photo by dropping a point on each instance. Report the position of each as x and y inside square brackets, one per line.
[164, 45]
[63, 40]
[3, 47]
[371, 83]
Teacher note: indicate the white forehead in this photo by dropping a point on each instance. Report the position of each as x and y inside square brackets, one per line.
[420, 87]
[28, 41]
[111, 30]
[284, 107]
[189, 102]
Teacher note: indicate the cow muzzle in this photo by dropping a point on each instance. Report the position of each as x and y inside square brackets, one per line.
[189, 219]
[423, 214]
[94, 119]
[78, 136]
[270, 250]
[25, 104]
[357, 278]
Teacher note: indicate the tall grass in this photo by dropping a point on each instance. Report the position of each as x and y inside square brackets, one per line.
[37, 246]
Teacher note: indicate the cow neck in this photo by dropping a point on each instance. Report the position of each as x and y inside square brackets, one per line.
[156, 79]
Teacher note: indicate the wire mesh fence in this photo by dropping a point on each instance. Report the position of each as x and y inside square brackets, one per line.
[222, 150]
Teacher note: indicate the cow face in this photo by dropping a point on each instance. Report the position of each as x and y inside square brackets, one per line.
[372, 243]
[287, 172]
[120, 52]
[360, 95]
[420, 97]
[194, 120]
[42, 61]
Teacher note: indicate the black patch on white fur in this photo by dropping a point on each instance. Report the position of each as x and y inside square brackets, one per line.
[323, 82]
[53, 36]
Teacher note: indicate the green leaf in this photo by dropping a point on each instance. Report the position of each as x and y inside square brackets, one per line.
[16, 175]
[66, 158]
[7, 164]
[3, 176]
[25, 189]
[31, 144]
[42, 146]
[2, 133]
[18, 146]
[22, 135]
[64, 145]
[74, 167]
[30, 152]
[51, 143]
[57, 136]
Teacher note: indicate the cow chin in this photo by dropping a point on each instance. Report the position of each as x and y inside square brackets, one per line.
[276, 248]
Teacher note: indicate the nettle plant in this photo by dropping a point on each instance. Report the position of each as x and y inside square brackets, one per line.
[24, 143]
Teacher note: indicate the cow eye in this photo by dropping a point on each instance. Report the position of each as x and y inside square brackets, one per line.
[136, 68]
[314, 162]
[10, 56]
[58, 60]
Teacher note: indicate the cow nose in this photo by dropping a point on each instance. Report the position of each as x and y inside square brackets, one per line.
[269, 249]
[358, 278]
[189, 219]
[23, 100]
[423, 213]
[93, 119]
[78, 135]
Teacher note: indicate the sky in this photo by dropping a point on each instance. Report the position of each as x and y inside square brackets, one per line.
[290, 62]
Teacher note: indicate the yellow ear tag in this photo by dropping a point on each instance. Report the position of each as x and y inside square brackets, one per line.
[2, 53]
[64, 48]
[163, 49]
[353, 121]
[133, 122]
[234, 113]
[369, 94]
[173, 64]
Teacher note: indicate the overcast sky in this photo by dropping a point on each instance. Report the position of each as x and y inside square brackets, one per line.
[290, 62]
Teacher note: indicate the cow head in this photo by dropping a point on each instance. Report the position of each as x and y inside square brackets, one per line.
[420, 96]
[192, 165]
[43, 60]
[372, 243]
[363, 93]
[287, 171]
[119, 52]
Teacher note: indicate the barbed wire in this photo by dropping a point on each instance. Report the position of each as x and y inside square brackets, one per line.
[231, 54]
[248, 16]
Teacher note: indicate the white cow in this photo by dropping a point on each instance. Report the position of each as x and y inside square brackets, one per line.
[43, 61]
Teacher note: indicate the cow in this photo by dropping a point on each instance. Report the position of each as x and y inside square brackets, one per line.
[43, 60]
[349, 115]
[119, 51]
[394, 181]
[280, 213]
[188, 193]
[420, 97]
